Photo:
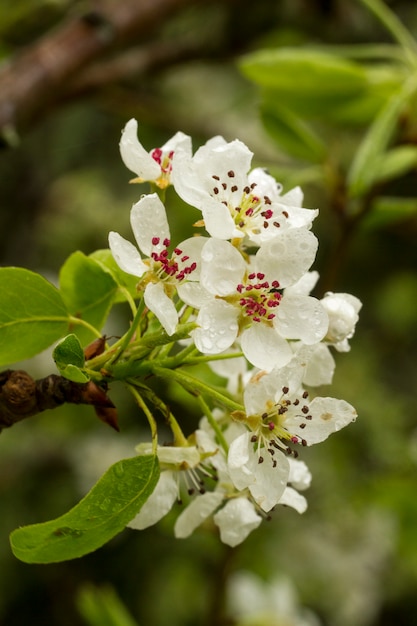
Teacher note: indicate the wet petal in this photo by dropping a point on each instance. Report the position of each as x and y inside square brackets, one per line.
[134, 155]
[301, 317]
[236, 520]
[264, 348]
[287, 256]
[222, 267]
[328, 416]
[126, 255]
[218, 327]
[196, 513]
[148, 219]
[162, 306]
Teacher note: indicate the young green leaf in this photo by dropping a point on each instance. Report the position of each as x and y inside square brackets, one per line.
[87, 290]
[69, 350]
[292, 134]
[103, 607]
[32, 314]
[305, 73]
[102, 513]
[387, 211]
[364, 168]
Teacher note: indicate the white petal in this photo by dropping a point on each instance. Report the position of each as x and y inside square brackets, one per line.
[196, 512]
[194, 294]
[217, 219]
[126, 255]
[266, 185]
[320, 366]
[300, 475]
[301, 317]
[217, 327]
[304, 286]
[134, 155]
[158, 504]
[264, 348]
[162, 306]
[328, 416]
[238, 460]
[222, 267]
[342, 309]
[179, 141]
[236, 520]
[292, 498]
[270, 481]
[148, 219]
[287, 256]
[191, 252]
[294, 197]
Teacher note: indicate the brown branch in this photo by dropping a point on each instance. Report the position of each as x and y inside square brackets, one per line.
[135, 63]
[35, 78]
[21, 396]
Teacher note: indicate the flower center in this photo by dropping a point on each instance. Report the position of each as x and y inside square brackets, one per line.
[170, 268]
[259, 298]
[164, 160]
[250, 211]
[272, 434]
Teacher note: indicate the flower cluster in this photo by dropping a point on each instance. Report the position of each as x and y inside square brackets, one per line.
[246, 285]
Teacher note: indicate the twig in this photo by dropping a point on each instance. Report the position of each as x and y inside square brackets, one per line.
[21, 396]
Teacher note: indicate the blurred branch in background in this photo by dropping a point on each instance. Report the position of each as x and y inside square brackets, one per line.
[38, 76]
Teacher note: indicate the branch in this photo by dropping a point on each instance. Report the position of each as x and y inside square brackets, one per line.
[34, 80]
[21, 396]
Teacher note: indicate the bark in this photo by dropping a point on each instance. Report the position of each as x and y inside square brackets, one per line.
[36, 78]
[21, 396]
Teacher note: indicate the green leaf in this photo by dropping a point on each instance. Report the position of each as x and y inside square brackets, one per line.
[69, 358]
[68, 351]
[307, 73]
[88, 291]
[102, 513]
[103, 607]
[396, 162]
[32, 314]
[126, 281]
[387, 211]
[292, 134]
[364, 168]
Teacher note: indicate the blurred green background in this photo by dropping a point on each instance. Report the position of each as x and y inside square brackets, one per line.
[352, 557]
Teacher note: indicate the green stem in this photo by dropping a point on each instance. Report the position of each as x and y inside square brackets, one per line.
[213, 423]
[394, 26]
[195, 386]
[80, 322]
[151, 420]
[179, 437]
[123, 343]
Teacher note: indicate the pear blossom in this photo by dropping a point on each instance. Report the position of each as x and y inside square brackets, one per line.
[343, 311]
[252, 601]
[154, 166]
[252, 300]
[279, 415]
[172, 460]
[236, 202]
[162, 275]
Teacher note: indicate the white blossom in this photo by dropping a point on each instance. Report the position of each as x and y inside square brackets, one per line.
[253, 300]
[236, 203]
[279, 416]
[163, 274]
[343, 312]
[154, 166]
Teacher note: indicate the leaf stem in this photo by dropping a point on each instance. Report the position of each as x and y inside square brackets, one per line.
[80, 322]
[151, 420]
